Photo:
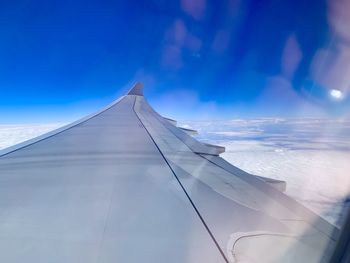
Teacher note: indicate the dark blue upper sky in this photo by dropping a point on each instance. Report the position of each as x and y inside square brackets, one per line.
[197, 58]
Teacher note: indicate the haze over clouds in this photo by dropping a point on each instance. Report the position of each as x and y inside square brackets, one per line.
[311, 155]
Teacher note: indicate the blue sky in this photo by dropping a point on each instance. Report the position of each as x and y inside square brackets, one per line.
[198, 59]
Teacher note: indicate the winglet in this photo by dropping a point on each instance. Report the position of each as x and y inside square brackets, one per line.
[137, 89]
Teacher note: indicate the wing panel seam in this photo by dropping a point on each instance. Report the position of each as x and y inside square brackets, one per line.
[182, 187]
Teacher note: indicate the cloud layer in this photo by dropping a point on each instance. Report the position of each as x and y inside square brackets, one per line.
[311, 155]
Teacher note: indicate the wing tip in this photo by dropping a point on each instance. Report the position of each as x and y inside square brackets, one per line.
[137, 89]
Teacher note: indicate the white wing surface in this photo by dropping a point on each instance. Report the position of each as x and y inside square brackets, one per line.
[127, 185]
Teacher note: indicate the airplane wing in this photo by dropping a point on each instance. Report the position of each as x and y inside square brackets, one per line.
[126, 185]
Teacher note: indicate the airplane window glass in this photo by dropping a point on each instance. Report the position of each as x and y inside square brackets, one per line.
[227, 139]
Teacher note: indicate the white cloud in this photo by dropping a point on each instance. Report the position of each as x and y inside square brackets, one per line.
[311, 155]
[14, 134]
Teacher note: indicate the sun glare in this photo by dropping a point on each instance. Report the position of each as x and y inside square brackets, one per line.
[336, 94]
